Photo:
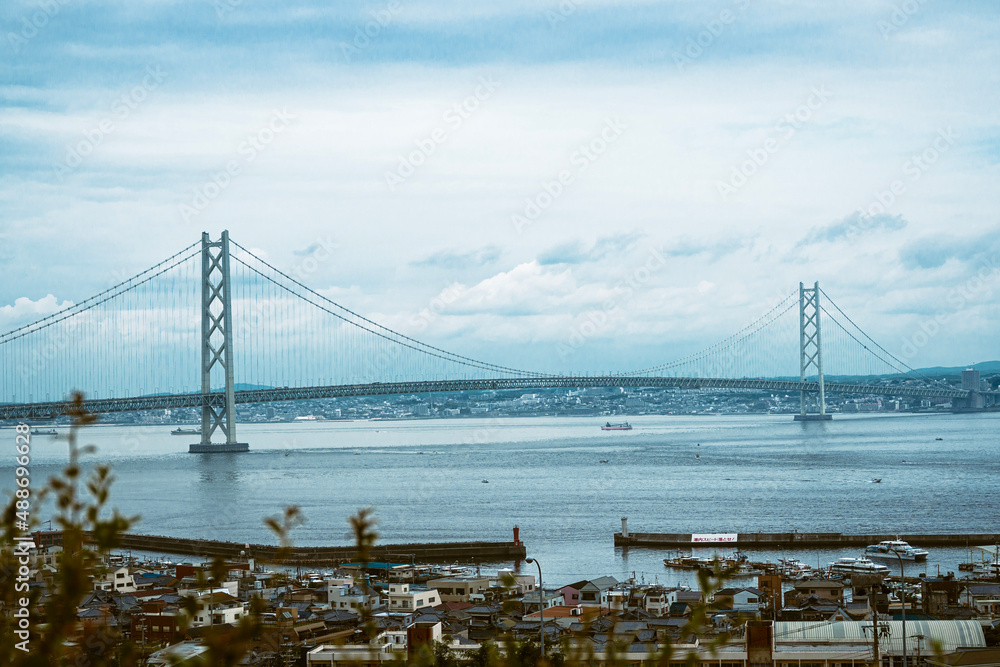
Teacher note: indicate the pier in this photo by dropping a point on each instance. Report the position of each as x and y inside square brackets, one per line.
[465, 552]
[795, 540]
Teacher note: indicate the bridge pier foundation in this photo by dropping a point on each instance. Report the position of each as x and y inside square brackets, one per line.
[813, 417]
[220, 448]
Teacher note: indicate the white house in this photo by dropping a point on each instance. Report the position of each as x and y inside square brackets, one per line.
[658, 600]
[344, 593]
[119, 581]
[402, 598]
[745, 600]
[218, 608]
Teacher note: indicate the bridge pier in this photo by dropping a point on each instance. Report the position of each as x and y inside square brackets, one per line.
[811, 355]
[218, 410]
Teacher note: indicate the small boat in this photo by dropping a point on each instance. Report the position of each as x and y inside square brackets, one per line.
[623, 426]
[486, 481]
[893, 549]
[793, 569]
[861, 565]
[604, 460]
[688, 563]
[50, 431]
[876, 480]
[186, 431]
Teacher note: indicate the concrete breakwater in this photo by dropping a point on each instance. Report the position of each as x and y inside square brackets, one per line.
[304, 555]
[466, 552]
[799, 540]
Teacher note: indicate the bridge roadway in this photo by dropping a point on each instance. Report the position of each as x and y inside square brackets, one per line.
[104, 405]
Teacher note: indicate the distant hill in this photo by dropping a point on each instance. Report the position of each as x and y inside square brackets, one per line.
[984, 367]
[243, 386]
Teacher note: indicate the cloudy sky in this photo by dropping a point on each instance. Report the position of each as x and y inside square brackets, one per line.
[520, 168]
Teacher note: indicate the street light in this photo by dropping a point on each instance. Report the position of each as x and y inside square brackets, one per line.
[541, 605]
[902, 601]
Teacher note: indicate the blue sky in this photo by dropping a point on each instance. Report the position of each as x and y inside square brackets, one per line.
[520, 157]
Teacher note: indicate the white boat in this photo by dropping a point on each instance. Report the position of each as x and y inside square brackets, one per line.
[848, 565]
[793, 569]
[892, 548]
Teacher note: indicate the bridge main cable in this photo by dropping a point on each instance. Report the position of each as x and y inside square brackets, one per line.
[96, 300]
[390, 335]
[725, 342]
[908, 370]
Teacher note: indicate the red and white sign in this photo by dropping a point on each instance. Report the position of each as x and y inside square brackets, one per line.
[714, 537]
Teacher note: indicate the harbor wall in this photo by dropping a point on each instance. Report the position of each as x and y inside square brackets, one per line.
[805, 540]
[467, 552]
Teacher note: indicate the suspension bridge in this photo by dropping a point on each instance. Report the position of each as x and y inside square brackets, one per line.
[215, 325]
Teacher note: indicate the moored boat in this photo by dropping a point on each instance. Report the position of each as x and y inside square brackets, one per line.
[36, 431]
[688, 563]
[792, 569]
[893, 549]
[848, 565]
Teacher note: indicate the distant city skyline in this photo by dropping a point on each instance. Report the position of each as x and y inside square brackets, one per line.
[492, 178]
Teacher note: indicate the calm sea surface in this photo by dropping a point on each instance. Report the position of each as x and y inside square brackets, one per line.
[425, 480]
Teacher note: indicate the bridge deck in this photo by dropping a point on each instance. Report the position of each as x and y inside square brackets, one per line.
[196, 400]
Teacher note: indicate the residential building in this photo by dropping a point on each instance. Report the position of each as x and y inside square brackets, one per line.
[827, 591]
[119, 581]
[217, 607]
[458, 589]
[742, 600]
[404, 598]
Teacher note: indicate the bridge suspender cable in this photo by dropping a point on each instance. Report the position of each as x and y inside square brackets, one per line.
[869, 338]
[749, 330]
[96, 300]
[414, 344]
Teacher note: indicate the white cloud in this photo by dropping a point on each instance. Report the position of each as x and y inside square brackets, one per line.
[24, 311]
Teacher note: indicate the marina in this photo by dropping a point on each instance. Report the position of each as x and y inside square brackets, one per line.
[793, 540]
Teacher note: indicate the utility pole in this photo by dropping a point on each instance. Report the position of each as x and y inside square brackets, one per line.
[878, 658]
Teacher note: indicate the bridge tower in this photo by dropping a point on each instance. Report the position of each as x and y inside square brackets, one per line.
[811, 355]
[218, 410]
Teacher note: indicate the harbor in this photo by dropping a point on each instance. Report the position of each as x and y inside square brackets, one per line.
[792, 540]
